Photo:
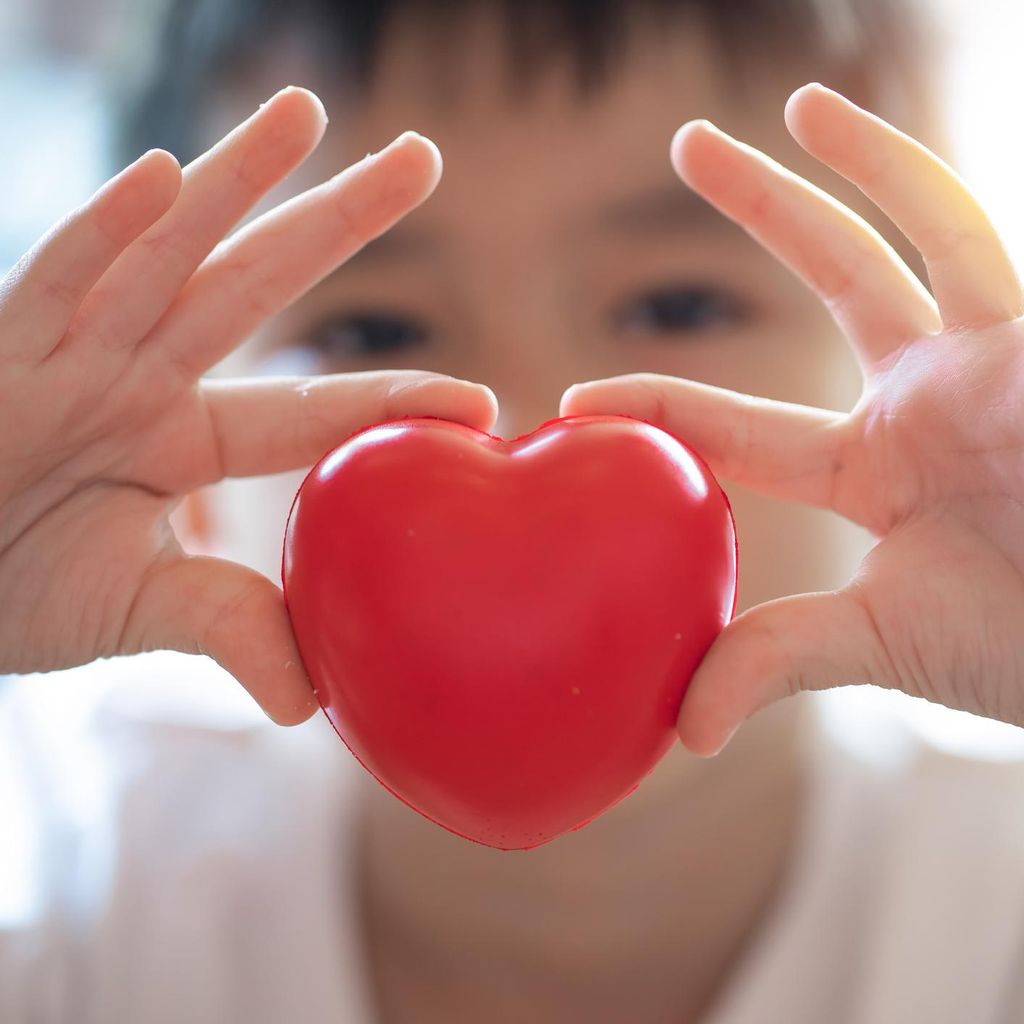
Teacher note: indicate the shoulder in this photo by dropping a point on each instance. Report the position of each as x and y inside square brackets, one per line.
[160, 811]
[939, 774]
[944, 906]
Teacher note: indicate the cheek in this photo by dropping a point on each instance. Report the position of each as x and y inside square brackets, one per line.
[249, 516]
[790, 549]
[787, 548]
[803, 357]
[794, 354]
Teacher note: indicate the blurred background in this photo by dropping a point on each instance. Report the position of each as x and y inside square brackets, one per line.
[59, 60]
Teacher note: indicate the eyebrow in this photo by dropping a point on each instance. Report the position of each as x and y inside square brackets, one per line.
[663, 211]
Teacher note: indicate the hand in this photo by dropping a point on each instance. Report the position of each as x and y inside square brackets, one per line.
[930, 460]
[105, 328]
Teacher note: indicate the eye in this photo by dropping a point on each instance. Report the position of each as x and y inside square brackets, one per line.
[680, 308]
[361, 335]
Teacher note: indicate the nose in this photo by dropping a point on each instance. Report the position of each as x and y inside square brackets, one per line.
[522, 409]
[527, 350]
[516, 421]
[528, 378]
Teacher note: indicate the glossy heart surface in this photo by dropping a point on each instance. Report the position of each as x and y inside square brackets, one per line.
[502, 631]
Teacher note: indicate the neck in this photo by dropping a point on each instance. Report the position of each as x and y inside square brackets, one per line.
[657, 897]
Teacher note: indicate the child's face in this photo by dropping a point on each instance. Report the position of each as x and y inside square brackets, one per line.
[559, 247]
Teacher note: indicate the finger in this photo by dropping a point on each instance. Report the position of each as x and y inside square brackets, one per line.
[235, 615]
[217, 189]
[272, 425]
[971, 275]
[778, 649]
[281, 255]
[787, 451]
[871, 293]
[44, 289]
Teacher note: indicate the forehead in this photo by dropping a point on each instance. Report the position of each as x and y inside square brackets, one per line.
[544, 157]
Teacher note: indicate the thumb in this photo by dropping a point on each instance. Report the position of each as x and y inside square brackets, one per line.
[775, 650]
[237, 616]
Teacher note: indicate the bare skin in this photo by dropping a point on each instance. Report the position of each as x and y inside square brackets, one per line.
[639, 915]
[524, 293]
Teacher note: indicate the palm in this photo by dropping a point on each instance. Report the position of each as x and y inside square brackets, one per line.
[936, 472]
[106, 328]
[947, 608]
[87, 515]
[940, 424]
[931, 459]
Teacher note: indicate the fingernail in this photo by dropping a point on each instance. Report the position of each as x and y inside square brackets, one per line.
[270, 99]
[150, 154]
[316, 99]
[728, 739]
[819, 88]
[476, 384]
[373, 156]
[701, 123]
[569, 396]
[467, 383]
[294, 89]
[712, 753]
[400, 141]
[492, 398]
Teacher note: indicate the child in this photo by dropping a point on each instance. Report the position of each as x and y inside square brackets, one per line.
[254, 874]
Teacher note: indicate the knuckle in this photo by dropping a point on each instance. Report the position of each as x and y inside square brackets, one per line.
[61, 293]
[346, 222]
[404, 383]
[165, 249]
[243, 602]
[652, 384]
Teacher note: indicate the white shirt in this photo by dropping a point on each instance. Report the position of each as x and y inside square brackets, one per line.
[200, 870]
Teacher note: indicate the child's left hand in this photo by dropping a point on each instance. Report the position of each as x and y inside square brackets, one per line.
[930, 460]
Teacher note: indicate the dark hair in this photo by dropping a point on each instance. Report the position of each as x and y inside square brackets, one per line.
[195, 46]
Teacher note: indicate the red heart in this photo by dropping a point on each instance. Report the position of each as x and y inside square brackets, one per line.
[502, 631]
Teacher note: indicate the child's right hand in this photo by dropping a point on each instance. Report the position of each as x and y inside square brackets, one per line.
[106, 327]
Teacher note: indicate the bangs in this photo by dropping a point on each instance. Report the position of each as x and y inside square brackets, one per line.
[199, 46]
